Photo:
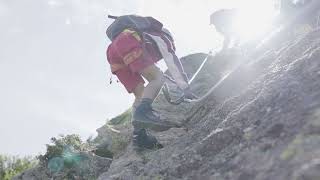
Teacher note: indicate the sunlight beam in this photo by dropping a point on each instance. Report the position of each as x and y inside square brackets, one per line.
[254, 19]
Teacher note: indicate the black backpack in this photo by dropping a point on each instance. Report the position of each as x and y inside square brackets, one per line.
[137, 23]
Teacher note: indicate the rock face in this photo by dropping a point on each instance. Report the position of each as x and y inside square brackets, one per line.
[262, 122]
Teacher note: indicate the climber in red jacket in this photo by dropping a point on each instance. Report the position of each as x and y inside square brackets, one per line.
[137, 44]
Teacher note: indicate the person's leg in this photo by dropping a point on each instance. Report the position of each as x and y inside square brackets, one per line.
[138, 92]
[141, 139]
[171, 60]
[155, 78]
[144, 115]
[145, 97]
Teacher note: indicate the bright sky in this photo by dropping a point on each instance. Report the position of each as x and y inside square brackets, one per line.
[53, 70]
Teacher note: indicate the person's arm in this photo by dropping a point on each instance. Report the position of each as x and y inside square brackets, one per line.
[226, 42]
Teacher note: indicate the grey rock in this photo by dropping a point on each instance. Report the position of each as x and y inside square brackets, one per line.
[261, 123]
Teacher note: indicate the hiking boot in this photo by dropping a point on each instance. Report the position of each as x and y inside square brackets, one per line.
[143, 140]
[145, 117]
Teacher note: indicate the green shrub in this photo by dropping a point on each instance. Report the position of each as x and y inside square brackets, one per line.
[123, 118]
[11, 166]
[64, 152]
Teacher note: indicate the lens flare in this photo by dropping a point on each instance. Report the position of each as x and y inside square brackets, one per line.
[56, 164]
[254, 19]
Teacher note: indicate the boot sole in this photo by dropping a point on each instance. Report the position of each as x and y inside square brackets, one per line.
[140, 149]
[151, 125]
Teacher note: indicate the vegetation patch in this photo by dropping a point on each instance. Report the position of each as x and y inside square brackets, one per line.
[63, 156]
[124, 118]
[11, 166]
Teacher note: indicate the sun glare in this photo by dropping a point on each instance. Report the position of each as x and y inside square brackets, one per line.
[254, 19]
